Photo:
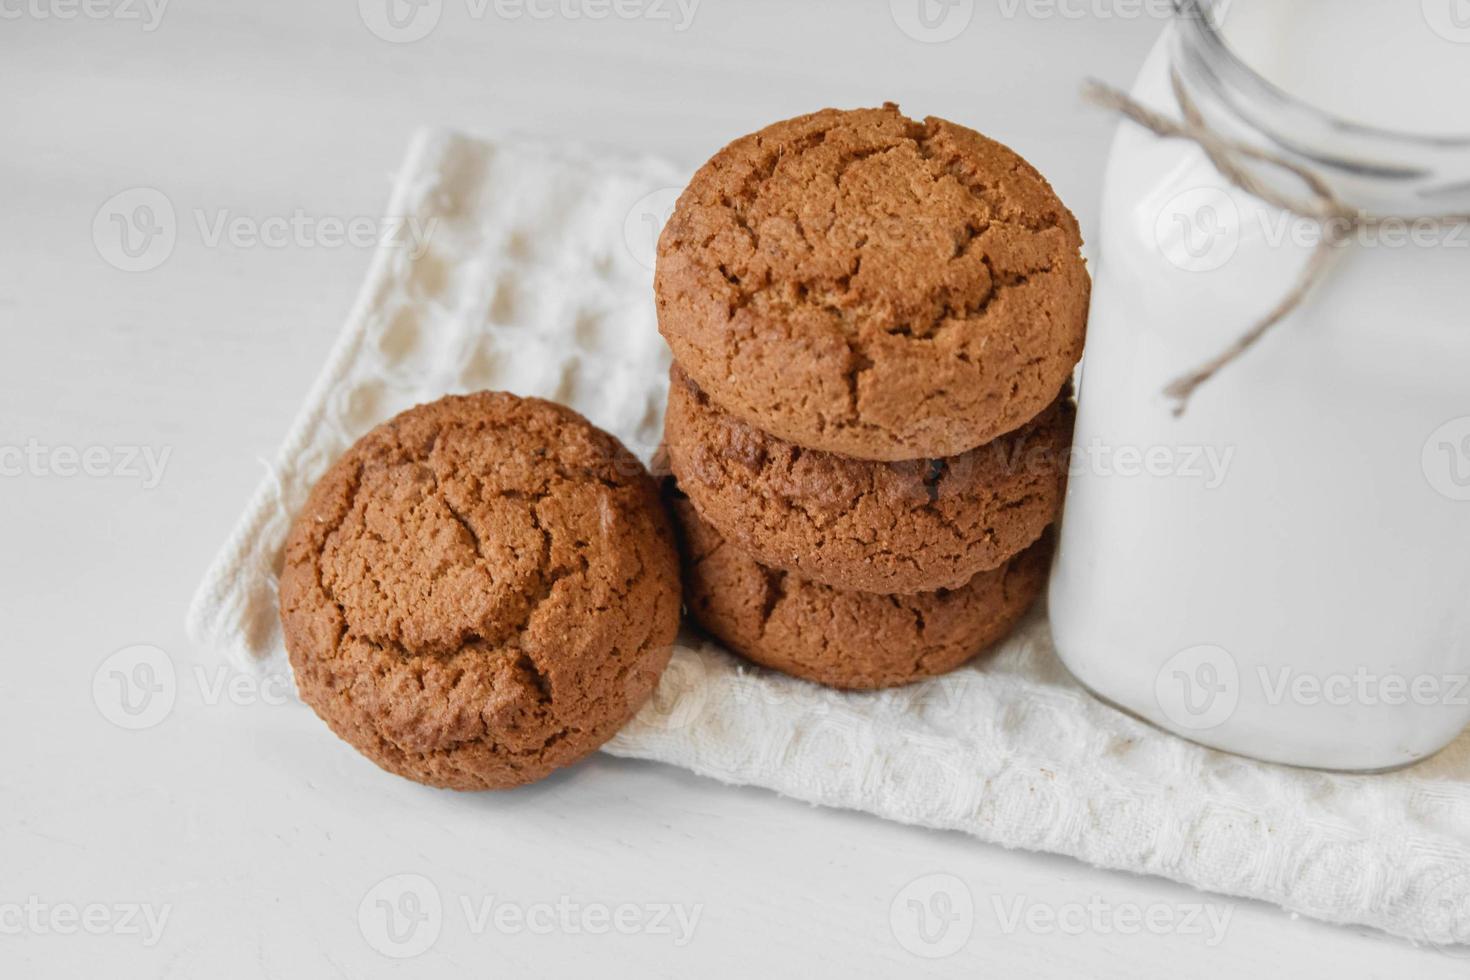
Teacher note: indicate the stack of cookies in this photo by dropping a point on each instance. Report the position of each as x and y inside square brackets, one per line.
[875, 321]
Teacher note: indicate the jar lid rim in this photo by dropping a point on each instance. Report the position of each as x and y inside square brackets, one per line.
[1199, 23]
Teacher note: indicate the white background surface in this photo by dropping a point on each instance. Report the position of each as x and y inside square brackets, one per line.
[258, 830]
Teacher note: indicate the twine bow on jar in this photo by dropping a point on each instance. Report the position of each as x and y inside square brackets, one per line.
[1339, 223]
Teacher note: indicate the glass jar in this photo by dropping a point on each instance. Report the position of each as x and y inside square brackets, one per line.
[1282, 571]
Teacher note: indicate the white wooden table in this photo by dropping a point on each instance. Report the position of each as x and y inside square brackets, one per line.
[238, 816]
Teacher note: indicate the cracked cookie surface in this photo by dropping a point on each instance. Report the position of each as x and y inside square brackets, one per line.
[480, 591]
[863, 283]
[902, 527]
[852, 640]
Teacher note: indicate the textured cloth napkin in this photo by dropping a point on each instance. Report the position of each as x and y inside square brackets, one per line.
[537, 278]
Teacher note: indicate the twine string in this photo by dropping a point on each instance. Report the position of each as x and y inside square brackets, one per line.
[1337, 221]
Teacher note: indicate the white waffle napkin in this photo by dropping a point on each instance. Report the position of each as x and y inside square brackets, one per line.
[537, 278]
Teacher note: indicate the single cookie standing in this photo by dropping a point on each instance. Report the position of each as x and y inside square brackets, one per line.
[853, 640]
[856, 524]
[859, 282]
[480, 591]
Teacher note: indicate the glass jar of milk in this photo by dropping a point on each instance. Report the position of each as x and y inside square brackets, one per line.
[1283, 571]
